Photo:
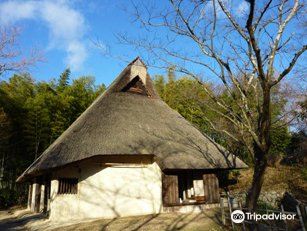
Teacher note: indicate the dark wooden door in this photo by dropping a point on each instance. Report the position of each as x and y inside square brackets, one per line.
[211, 188]
[170, 189]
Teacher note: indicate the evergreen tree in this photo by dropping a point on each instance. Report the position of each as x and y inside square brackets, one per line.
[32, 115]
[64, 79]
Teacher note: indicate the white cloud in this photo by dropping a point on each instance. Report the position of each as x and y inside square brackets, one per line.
[77, 53]
[66, 25]
[232, 6]
[65, 22]
[12, 11]
[208, 10]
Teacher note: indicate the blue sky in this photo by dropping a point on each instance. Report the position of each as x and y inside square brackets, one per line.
[65, 30]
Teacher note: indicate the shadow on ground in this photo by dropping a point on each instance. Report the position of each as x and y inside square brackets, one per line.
[207, 220]
[19, 220]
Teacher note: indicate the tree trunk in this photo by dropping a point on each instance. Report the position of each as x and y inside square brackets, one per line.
[258, 178]
[261, 150]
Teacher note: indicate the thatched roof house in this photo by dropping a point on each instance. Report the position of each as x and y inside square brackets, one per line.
[129, 148]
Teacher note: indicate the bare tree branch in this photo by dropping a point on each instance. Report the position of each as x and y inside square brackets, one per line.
[10, 56]
[291, 65]
[241, 57]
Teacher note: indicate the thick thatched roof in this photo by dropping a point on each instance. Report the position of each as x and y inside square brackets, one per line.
[129, 118]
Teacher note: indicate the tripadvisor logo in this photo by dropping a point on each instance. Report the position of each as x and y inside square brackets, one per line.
[238, 216]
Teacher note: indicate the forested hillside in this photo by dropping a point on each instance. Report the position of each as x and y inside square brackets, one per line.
[187, 96]
[32, 115]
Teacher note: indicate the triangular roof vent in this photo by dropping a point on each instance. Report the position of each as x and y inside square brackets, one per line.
[136, 86]
[134, 79]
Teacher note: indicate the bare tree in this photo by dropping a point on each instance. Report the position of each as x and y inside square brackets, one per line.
[250, 48]
[11, 58]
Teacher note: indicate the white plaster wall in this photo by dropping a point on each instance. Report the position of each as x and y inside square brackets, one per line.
[34, 191]
[54, 185]
[41, 203]
[110, 192]
[138, 71]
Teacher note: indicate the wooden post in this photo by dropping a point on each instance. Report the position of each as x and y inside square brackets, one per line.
[47, 195]
[230, 210]
[283, 211]
[240, 206]
[222, 211]
[35, 198]
[30, 196]
[267, 212]
[42, 198]
[300, 217]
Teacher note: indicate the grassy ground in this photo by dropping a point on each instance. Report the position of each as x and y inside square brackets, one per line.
[208, 220]
[280, 178]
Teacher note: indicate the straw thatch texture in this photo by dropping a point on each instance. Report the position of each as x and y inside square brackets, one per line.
[123, 123]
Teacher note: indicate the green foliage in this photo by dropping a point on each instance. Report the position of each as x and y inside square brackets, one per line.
[7, 197]
[32, 115]
[36, 126]
[264, 206]
[63, 80]
[296, 150]
[235, 173]
[304, 173]
[280, 141]
[189, 98]
[160, 85]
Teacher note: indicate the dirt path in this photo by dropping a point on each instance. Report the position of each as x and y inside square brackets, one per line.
[17, 220]
[24, 220]
[170, 221]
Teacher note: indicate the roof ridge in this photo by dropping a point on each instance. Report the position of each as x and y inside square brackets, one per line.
[138, 62]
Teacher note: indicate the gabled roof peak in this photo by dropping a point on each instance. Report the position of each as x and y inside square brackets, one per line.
[137, 62]
[134, 78]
